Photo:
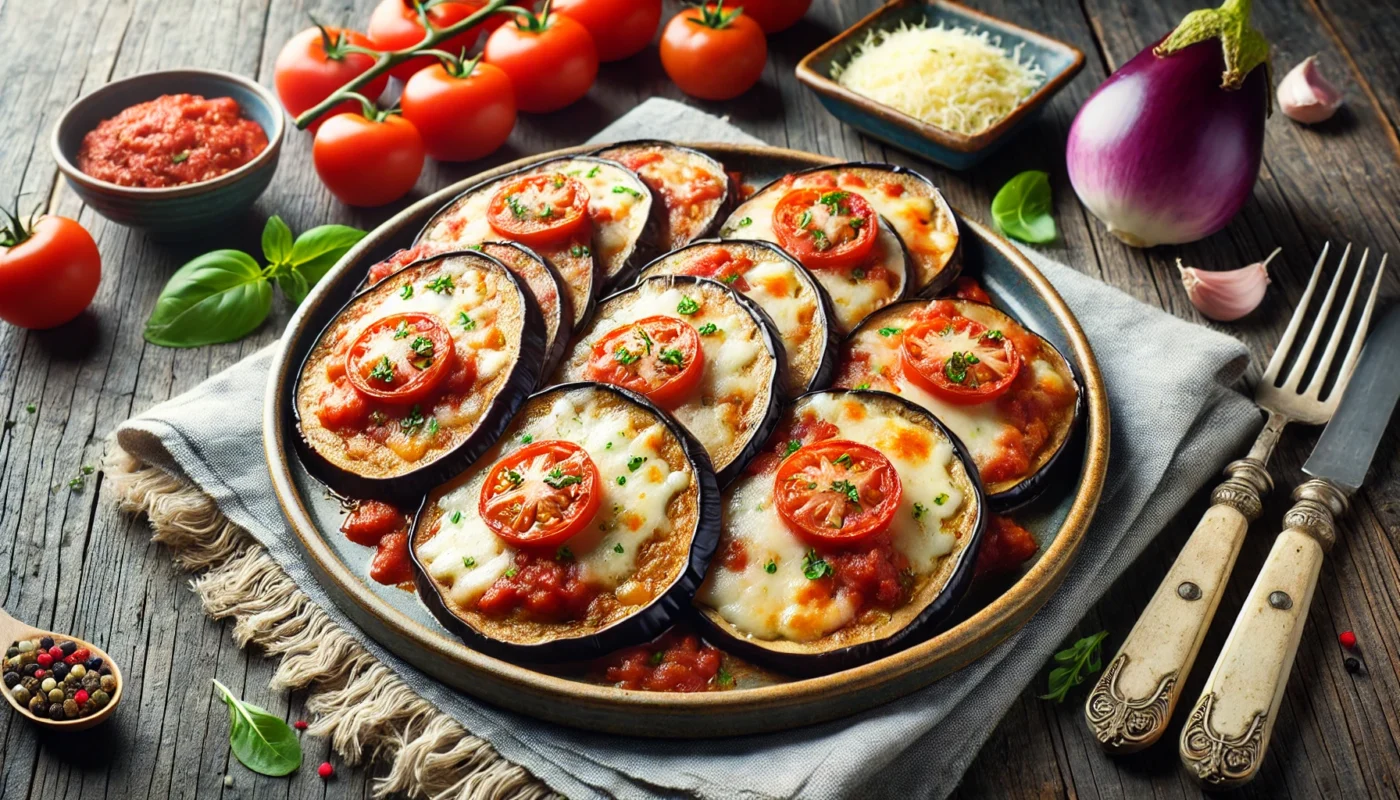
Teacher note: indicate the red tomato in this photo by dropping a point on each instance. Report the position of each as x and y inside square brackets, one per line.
[541, 494]
[551, 60]
[959, 360]
[368, 162]
[460, 117]
[48, 273]
[620, 28]
[776, 15]
[401, 358]
[837, 491]
[394, 26]
[712, 53]
[391, 564]
[659, 357]
[826, 230]
[371, 521]
[539, 209]
[305, 74]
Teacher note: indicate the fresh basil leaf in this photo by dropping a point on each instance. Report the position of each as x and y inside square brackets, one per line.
[276, 241]
[218, 297]
[293, 285]
[317, 250]
[265, 743]
[1022, 209]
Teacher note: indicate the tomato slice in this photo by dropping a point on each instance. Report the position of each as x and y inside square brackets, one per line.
[401, 358]
[721, 265]
[837, 491]
[826, 229]
[959, 359]
[539, 209]
[659, 357]
[541, 494]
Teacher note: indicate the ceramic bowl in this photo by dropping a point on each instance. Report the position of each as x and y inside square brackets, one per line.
[179, 209]
[1059, 61]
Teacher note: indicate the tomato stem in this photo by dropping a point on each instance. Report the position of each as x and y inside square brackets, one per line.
[715, 18]
[369, 110]
[532, 22]
[334, 48]
[386, 60]
[458, 66]
[17, 231]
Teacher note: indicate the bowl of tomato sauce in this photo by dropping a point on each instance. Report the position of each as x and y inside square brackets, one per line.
[172, 152]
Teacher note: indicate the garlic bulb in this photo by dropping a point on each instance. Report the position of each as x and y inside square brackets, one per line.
[1307, 97]
[1228, 295]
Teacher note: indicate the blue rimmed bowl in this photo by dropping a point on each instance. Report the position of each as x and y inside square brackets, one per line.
[1060, 62]
[178, 210]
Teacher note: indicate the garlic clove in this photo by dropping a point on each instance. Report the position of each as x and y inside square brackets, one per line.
[1307, 97]
[1230, 294]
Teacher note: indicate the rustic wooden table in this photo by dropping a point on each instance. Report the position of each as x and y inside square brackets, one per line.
[71, 562]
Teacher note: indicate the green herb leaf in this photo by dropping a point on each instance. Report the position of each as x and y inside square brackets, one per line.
[526, 438]
[1022, 208]
[468, 562]
[317, 250]
[862, 386]
[657, 658]
[771, 567]
[940, 499]
[442, 284]
[672, 356]
[708, 329]
[793, 446]
[1080, 660]
[510, 573]
[995, 336]
[624, 356]
[844, 460]
[617, 548]
[814, 567]
[293, 285]
[687, 306]
[276, 241]
[635, 463]
[578, 251]
[413, 421]
[626, 190]
[955, 368]
[264, 743]
[402, 331]
[848, 489]
[889, 331]
[383, 371]
[456, 517]
[559, 480]
[564, 554]
[180, 157]
[724, 677]
[593, 173]
[218, 297]
[622, 480]
[467, 323]
[745, 222]
[919, 510]
[407, 291]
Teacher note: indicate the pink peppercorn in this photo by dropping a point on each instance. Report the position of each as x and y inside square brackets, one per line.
[56, 652]
[81, 696]
[325, 770]
[44, 660]
[1348, 639]
[299, 724]
[39, 674]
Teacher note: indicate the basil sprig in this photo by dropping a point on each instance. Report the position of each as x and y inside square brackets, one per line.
[224, 295]
[1023, 209]
[1076, 662]
[265, 743]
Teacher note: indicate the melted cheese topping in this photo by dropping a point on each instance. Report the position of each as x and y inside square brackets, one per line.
[629, 515]
[618, 204]
[778, 605]
[737, 363]
[852, 299]
[949, 77]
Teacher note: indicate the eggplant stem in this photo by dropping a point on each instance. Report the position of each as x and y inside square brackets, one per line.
[1243, 47]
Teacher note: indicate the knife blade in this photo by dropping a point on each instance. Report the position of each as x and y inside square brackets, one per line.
[1343, 454]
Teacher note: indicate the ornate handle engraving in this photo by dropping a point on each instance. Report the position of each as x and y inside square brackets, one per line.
[1123, 723]
[1215, 759]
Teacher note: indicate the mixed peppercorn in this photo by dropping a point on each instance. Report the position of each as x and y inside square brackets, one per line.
[57, 680]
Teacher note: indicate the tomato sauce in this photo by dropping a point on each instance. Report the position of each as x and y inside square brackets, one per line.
[872, 573]
[385, 528]
[674, 663]
[173, 140]
[803, 431]
[1005, 546]
[541, 587]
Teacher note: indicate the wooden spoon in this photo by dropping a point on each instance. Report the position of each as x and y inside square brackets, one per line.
[12, 630]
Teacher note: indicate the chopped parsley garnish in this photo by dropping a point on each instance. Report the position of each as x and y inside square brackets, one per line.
[422, 347]
[646, 340]
[456, 517]
[607, 446]
[844, 460]
[995, 336]
[441, 284]
[771, 567]
[383, 371]
[672, 356]
[578, 251]
[889, 331]
[919, 510]
[622, 480]
[558, 181]
[848, 489]
[617, 548]
[745, 222]
[814, 567]
[731, 278]
[407, 291]
[804, 220]
[564, 554]
[724, 677]
[510, 573]
[465, 321]
[635, 463]
[687, 306]
[526, 438]
[955, 368]
[413, 421]
[657, 658]
[624, 356]
[626, 190]
[708, 329]
[862, 386]
[514, 478]
[858, 274]
[940, 499]
[517, 208]
[819, 239]
[181, 157]
[468, 562]
[557, 479]
[402, 331]
[378, 417]
[793, 446]
[30, 408]
[834, 202]
[593, 173]
[433, 426]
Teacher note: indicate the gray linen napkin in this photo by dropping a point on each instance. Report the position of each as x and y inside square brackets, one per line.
[1175, 422]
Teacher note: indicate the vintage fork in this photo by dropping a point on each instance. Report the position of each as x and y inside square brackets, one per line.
[1133, 699]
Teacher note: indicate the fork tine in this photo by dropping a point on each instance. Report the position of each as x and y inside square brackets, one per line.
[1358, 338]
[1334, 340]
[1295, 375]
[1295, 322]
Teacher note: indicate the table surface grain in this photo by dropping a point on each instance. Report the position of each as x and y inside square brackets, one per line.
[72, 563]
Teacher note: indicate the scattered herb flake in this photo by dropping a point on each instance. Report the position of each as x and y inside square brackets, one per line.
[564, 554]
[793, 446]
[687, 306]
[413, 421]
[940, 499]
[814, 567]
[402, 331]
[383, 370]
[771, 567]
[510, 573]
[467, 323]
[635, 463]
[673, 357]
[442, 284]
[626, 190]
[708, 329]
[526, 438]
[557, 479]
[468, 562]
[456, 517]
[622, 480]
[919, 511]
[407, 291]
[889, 331]
[617, 548]
[181, 157]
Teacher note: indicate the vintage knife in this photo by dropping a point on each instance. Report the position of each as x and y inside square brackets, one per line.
[1228, 730]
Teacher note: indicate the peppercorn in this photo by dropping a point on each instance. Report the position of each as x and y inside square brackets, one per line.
[56, 653]
[94, 663]
[100, 698]
[78, 671]
[56, 696]
[1348, 640]
[44, 660]
[46, 642]
[108, 684]
[70, 709]
[31, 669]
[60, 670]
[25, 646]
[48, 684]
[21, 695]
[56, 712]
[1352, 664]
[11, 651]
[105, 670]
[80, 696]
[92, 682]
[38, 705]
[299, 724]
[11, 679]
[68, 648]
[31, 683]
[325, 770]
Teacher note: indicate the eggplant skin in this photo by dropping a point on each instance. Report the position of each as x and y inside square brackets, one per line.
[925, 625]
[721, 208]
[410, 486]
[642, 625]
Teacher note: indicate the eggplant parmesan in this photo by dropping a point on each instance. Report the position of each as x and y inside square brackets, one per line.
[540, 278]
[780, 286]
[693, 188]
[1007, 393]
[852, 536]
[587, 528]
[704, 353]
[418, 376]
[908, 201]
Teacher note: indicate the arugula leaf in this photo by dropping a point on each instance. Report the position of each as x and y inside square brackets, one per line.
[218, 297]
[1022, 208]
[265, 743]
[1079, 660]
[276, 240]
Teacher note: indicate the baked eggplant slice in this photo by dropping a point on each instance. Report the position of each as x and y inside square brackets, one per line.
[588, 527]
[701, 351]
[909, 201]
[1006, 392]
[692, 188]
[853, 536]
[789, 294]
[540, 278]
[418, 376]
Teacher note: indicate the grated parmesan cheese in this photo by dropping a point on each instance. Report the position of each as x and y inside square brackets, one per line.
[949, 77]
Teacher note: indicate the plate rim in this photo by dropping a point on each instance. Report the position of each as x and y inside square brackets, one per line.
[743, 711]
